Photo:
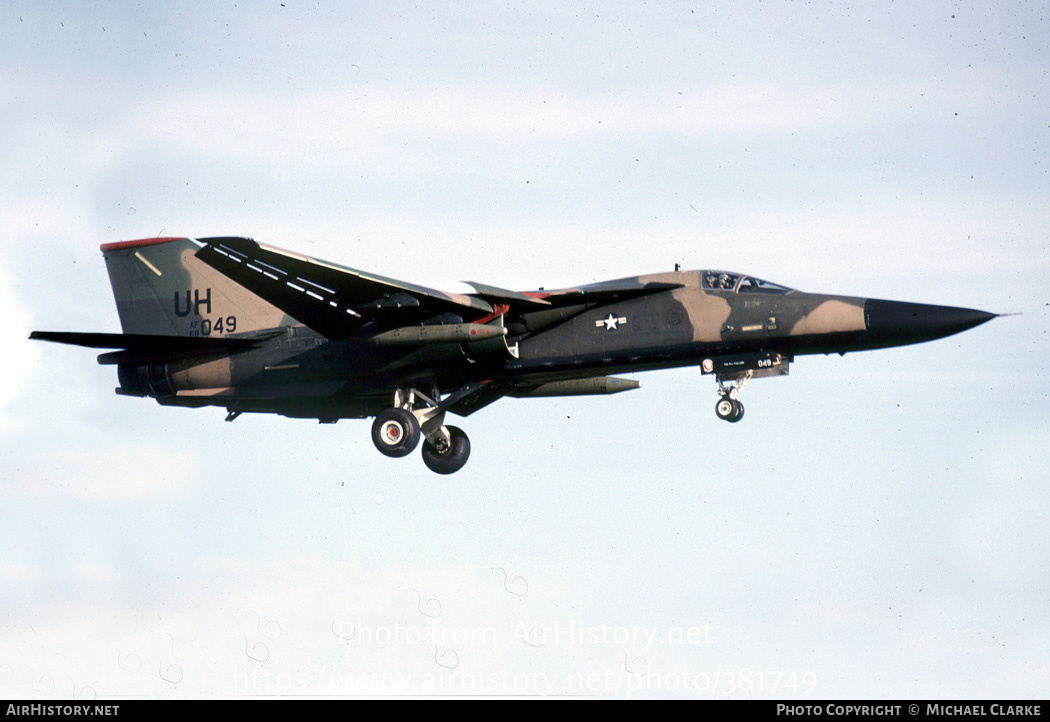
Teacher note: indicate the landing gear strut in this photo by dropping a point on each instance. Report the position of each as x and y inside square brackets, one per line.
[728, 408]
[397, 431]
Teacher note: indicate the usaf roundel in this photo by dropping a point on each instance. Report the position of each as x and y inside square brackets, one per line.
[611, 322]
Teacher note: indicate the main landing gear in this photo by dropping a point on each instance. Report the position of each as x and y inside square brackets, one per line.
[728, 408]
[397, 431]
[450, 459]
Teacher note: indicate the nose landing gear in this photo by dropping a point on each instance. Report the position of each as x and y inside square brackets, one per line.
[728, 408]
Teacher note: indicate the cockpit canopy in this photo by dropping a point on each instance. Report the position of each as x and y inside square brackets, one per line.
[737, 283]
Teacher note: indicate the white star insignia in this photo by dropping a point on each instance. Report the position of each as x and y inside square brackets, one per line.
[611, 322]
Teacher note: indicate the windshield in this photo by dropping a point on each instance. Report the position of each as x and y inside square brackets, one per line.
[757, 285]
[734, 282]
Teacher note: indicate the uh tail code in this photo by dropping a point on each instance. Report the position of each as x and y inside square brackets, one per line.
[193, 302]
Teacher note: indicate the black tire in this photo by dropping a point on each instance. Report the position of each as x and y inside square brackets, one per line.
[454, 457]
[738, 412]
[726, 409]
[395, 432]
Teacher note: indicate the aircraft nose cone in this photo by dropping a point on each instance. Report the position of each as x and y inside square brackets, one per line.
[901, 322]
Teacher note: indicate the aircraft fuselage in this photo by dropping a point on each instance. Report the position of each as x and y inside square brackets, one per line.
[300, 372]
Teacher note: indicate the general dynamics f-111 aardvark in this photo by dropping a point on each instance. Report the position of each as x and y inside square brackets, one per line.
[233, 323]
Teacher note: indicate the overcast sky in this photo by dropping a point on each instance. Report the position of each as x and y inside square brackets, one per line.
[875, 527]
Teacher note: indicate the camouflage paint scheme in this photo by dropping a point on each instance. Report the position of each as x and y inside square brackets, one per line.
[251, 328]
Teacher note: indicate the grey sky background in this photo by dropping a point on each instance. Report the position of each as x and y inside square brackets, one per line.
[875, 527]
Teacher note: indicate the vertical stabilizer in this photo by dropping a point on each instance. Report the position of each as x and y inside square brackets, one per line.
[162, 288]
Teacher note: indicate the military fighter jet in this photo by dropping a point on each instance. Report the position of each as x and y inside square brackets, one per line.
[248, 327]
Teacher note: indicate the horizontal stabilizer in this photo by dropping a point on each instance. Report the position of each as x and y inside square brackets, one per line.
[146, 348]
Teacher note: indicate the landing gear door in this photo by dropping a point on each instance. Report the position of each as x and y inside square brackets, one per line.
[762, 364]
